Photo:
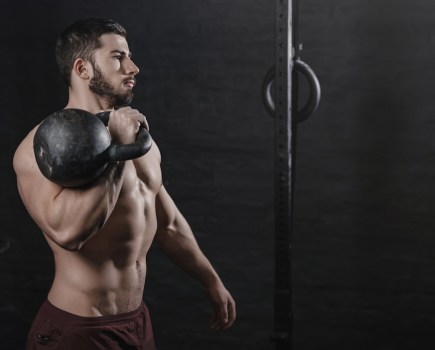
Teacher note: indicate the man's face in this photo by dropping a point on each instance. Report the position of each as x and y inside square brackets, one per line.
[114, 71]
[103, 88]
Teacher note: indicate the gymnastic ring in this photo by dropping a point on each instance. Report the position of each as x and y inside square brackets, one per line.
[314, 87]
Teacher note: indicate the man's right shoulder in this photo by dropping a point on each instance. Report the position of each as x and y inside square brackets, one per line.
[24, 156]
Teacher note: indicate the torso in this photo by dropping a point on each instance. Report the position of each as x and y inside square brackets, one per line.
[107, 275]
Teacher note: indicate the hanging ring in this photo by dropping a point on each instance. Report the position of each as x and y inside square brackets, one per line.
[266, 91]
[314, 87]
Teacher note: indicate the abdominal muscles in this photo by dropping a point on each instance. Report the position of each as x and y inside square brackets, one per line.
[107, 275]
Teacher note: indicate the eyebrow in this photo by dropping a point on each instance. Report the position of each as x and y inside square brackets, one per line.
[129, 54]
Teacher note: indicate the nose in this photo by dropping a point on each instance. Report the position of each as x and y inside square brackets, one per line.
[130, 67]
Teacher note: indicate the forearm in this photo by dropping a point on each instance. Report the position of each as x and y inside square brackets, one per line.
[175, 237]
[178, 242]
[180, 245]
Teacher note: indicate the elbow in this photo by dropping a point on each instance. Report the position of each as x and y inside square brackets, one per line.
[162, 237]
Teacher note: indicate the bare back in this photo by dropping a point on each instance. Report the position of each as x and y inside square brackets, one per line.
[106, 275]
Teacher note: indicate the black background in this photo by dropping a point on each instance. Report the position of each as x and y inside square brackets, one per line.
[364, 240]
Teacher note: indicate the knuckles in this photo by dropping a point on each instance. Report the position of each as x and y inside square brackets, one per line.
[124, 124]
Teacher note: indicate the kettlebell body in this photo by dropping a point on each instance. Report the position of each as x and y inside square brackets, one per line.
[70, 147]
[73, 147]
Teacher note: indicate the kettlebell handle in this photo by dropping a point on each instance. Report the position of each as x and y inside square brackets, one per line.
[137, 149]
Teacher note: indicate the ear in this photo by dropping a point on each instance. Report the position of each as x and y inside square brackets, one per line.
[82, 69]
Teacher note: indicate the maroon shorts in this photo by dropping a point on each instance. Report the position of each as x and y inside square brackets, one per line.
[54, 328]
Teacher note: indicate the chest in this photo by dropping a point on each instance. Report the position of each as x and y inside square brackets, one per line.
[143, 175]
[132, 224]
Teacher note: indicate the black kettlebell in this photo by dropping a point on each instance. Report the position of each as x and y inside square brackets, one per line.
[73, 147]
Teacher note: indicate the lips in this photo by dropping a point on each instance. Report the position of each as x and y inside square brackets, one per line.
[130, 83]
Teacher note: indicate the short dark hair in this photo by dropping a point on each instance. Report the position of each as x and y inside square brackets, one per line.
[80, 40]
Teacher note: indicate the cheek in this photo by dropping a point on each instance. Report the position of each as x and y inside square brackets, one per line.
[111, 66]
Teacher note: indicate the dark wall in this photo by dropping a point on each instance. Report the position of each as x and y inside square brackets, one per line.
[363, 244]
[364, 241]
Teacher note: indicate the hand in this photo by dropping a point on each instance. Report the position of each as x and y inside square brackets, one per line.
[224, 307]
[124, 124]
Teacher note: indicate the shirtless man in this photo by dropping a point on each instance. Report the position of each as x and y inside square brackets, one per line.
[100, 233]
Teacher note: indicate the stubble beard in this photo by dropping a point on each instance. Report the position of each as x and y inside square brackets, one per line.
[101, 87]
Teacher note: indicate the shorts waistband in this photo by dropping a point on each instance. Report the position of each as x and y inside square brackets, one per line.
[64, 317]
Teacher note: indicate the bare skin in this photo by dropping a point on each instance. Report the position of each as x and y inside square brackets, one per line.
[100, 233]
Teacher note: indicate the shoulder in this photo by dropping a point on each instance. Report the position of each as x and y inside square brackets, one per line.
[155, 151]
[33, 187]
[24, 156]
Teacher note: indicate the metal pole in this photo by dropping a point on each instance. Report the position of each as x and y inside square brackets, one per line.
[283, 174]
[283, 106]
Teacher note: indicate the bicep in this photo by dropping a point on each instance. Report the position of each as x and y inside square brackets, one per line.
[166, 211]
[35, 190]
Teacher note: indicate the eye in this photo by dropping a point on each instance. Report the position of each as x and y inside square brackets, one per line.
[117, 57]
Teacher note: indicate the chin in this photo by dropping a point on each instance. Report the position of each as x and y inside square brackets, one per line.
[122, 101]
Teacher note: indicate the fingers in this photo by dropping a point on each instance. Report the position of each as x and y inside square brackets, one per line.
[232, 314]
[215, 319]
[224, 315]
[223, 312]
[124, 123]
[224, 307]
[134, 114]
[221, 317]
[145, 123]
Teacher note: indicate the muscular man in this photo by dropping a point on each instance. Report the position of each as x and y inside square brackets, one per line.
[100, 233]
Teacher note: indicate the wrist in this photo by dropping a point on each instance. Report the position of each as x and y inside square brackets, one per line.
[212, 281]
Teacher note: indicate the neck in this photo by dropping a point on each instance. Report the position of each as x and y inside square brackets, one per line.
[86, 100]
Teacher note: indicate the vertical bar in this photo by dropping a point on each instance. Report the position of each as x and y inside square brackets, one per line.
[283, 174]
